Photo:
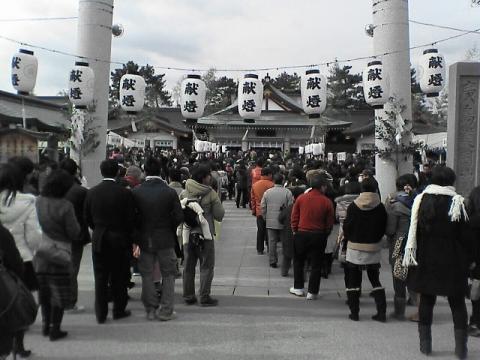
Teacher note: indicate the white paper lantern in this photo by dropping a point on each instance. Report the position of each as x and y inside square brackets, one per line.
[301, 150]
[192, 103]
[132, 93]
[250, 98]
[24, 71]
[196, 145]
[432, 72]
[376, 85]
[317, 149]
[314, 93]
[81, 84]
[308, 149]
[224, 148]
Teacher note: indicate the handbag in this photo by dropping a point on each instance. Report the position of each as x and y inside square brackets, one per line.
[18, 307]
[400, 272]
[56, 252]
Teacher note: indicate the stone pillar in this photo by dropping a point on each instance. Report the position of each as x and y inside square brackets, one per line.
[391, 34]
[94, 41]
[463, 137]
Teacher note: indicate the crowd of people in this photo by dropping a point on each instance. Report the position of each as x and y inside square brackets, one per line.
[160, 213]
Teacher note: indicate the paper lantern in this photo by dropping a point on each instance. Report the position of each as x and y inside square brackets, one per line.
[81, 85]
[317, 149]
[250, 98]
[132, 93]
[24, 71]
[192, 103]
[224, 148]
[376, 86]
[308, 149]
[432, 72]
[314, 93]
[301, 150]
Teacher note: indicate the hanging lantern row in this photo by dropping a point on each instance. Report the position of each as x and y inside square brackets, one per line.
[24, 71]
[431, 71]
[206, 146]
[192, 103]
[80, 85]
[314, 93]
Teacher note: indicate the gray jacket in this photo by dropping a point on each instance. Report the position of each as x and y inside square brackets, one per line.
[272, 203]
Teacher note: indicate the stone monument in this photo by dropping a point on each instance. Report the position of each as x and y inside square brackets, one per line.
[463, 139]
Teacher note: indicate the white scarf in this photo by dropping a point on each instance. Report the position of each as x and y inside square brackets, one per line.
[457, 209]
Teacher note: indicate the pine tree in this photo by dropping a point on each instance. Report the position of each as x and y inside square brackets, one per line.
[345, 89]
[287, 82]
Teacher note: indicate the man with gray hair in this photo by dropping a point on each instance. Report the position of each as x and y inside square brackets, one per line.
[273, 202]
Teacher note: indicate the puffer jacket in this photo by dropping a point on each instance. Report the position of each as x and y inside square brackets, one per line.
[258, 189]
[20, 218]
[343, 202]
[209, 201]
[273, 201]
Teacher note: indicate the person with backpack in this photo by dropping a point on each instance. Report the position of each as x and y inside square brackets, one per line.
[199, 245]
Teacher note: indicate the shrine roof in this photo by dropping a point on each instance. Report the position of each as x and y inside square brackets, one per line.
[45, 115]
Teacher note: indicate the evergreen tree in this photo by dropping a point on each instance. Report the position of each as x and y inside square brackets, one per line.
[220, 91]
[345, 89]
[287, 82]
[155, 93]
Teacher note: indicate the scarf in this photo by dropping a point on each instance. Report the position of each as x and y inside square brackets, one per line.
[457, 209]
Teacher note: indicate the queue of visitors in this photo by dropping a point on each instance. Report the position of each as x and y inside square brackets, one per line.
[160, 211]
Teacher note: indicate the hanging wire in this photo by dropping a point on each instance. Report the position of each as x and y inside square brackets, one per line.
[219, 69]
[40, 19]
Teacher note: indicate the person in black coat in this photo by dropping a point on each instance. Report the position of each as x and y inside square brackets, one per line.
[437, 255]
[160, 213]
[11, 259]
[76, 195]
[110, 212]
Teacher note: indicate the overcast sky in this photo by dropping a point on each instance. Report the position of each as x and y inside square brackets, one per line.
[226, 33]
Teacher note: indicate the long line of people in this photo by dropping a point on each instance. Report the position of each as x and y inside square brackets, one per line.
[135, 216]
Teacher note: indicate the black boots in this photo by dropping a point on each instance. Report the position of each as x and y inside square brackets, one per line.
[461, 336]
[381, 302]
[46, 318]
[425, 335]
[353, 301]
[55, 321]
[399, 308]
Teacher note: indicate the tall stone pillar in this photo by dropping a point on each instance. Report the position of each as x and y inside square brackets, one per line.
[391, 34]
[463, 138]
[94, 41]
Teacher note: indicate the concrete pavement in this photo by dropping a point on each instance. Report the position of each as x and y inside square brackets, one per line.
[257, 318]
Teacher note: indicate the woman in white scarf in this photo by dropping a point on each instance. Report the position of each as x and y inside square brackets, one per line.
[437, 256]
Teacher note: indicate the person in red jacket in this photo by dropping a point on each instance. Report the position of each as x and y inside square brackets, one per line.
[312, 221]
[258, 189]
[256, 172]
